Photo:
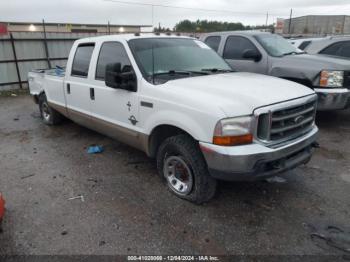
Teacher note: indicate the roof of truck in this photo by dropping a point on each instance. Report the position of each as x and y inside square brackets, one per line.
[250, 32]
[128, 37]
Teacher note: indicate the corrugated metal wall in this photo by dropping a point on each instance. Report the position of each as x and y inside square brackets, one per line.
[29, 48]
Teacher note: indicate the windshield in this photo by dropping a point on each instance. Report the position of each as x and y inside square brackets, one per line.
[163, 59]
[276, 45]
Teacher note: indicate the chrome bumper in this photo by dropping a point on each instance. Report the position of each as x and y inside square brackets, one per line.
[332, 99]
[256, 161]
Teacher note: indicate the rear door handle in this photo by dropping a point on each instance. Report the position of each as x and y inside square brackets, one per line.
[68, 88]
[92, 93]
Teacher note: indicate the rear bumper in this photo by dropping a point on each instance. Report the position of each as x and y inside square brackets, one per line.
[332, 99]
[256, 161]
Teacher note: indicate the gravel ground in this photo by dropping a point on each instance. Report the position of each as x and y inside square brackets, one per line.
[124, 208]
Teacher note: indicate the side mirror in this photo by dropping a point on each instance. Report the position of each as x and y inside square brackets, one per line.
[119, 78]
[252, 54]
[112, 75]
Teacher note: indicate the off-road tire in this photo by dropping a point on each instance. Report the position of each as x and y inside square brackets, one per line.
[49, 115]
[185, 147]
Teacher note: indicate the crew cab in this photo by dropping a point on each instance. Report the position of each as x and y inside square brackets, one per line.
[178, 101]
[271, 54]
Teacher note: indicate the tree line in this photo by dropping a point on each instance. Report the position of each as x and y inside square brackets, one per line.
[204, 26]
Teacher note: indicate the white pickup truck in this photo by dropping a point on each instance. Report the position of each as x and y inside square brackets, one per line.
[177, 100]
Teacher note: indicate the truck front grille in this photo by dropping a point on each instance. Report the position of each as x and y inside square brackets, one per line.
[282, 124]
[347, 79]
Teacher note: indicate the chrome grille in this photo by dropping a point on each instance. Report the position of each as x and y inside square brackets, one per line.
[347, 79]
[279, 124]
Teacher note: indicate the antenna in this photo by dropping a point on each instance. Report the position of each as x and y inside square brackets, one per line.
[152, 62]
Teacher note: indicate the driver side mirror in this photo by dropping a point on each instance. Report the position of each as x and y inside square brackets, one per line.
[252, 54]
[118, 78]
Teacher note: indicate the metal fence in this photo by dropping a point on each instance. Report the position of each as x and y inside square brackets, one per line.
[21, 52]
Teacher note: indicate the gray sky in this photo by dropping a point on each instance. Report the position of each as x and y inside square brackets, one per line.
[100, 11]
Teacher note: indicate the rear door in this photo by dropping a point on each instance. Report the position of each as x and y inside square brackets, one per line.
[77, 84]
[214, 42]
[233, 51]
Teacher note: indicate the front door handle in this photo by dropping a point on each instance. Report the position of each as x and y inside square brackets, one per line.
[68, 89]
[92, 93]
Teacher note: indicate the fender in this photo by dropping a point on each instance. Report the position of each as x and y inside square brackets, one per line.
[183, 121]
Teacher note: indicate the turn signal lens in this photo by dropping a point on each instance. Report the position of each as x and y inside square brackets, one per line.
[331, 78]
[233, 140]
[233, 131]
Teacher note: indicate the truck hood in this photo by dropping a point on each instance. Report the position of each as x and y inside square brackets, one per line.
[306, 67]
[317, 62]
[236, 93]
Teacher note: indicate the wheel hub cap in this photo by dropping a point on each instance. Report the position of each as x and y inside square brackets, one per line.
[45, 111]
[178, 175]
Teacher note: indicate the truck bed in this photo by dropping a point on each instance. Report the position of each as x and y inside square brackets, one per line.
[50, 81]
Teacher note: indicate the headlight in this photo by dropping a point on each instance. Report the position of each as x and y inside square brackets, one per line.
[332, 78]
[233, 131]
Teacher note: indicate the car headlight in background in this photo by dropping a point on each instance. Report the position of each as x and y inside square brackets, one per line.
[233, 131]
[332, 78]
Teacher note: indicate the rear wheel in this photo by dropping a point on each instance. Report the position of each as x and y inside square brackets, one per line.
[181, 164]
[49, 115]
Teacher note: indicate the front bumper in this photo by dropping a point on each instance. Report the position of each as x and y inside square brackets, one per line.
[332, 99]
[256, 161]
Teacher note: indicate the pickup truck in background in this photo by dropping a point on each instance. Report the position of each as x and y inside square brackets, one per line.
[335, 46]
[271, 54]
[178, 101]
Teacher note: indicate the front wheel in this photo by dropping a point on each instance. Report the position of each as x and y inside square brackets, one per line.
[181, 163]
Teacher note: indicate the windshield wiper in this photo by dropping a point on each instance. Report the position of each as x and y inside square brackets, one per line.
[294, 53]
[217, 70]
[179, 72]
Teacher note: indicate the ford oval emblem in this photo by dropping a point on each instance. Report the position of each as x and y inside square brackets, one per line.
[299, 119]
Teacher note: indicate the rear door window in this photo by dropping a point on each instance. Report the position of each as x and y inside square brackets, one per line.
[81, 61]
[213, 42]
[235, 47]
[304, 44]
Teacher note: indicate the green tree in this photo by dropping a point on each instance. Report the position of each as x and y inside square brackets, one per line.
[204, 26]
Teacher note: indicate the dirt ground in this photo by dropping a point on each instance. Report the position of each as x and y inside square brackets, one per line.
[61, 200]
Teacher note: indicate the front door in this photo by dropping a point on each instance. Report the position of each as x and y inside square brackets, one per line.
[115, 111]
[234, 49]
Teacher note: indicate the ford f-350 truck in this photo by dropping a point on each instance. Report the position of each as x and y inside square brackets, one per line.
[178, 101]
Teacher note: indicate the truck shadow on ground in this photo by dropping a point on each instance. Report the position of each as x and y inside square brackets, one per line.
[333, 119]
[258, 195]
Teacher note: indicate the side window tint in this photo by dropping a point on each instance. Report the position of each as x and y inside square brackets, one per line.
[331, 50]
[112, 52]
[235, 47]
[345, 49]
[304, 44]
[213, 42]
[82, 59]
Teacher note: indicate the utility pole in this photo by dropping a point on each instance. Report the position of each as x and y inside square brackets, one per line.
[45, 46]
[290, 21]
[267, 19]
[109, 28]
